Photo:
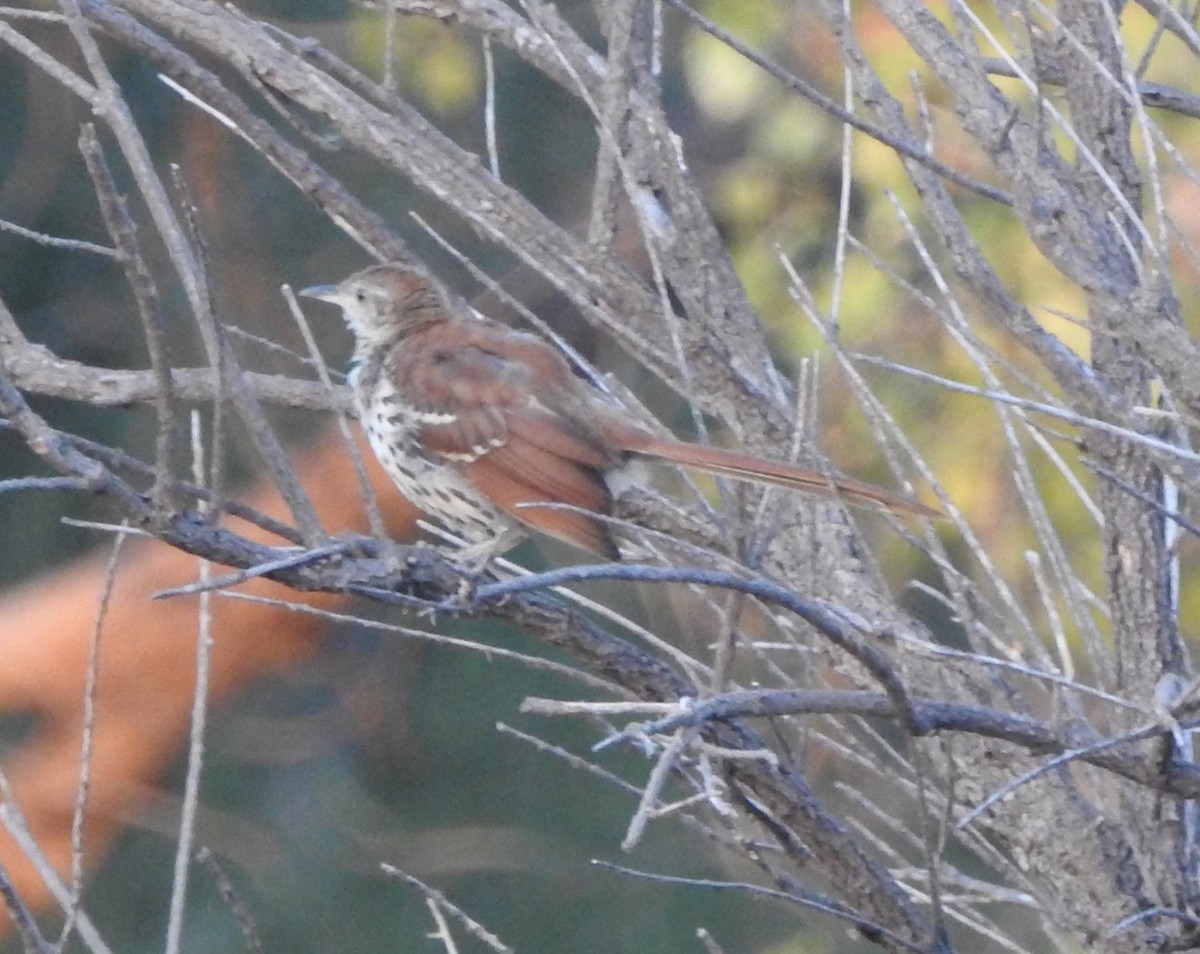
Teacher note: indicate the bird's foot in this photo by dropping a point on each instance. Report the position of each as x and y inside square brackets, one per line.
[476, 558]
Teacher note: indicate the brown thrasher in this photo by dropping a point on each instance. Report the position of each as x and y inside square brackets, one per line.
[478, 423]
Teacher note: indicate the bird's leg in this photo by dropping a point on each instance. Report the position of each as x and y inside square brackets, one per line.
[474, 558]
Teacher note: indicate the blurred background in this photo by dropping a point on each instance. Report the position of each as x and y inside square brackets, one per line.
[380, 748]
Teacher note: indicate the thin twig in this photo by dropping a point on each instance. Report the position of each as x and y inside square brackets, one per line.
[88, 737]
[195, 761]
[814, 901]
[474, 928]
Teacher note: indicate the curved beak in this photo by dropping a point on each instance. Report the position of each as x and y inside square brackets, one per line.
[320, 292]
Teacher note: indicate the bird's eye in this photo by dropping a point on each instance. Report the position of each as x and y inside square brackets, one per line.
[360, 296]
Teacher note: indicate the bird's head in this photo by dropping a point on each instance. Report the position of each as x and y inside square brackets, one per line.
[386, 302]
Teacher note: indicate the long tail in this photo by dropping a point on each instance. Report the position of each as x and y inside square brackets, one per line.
[743, 466]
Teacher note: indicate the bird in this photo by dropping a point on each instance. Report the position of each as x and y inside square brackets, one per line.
[489, 430]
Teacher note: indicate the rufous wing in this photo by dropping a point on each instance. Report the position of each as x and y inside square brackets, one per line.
[484, 417]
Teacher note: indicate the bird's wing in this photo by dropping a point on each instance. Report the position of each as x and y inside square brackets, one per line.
[485, 400]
